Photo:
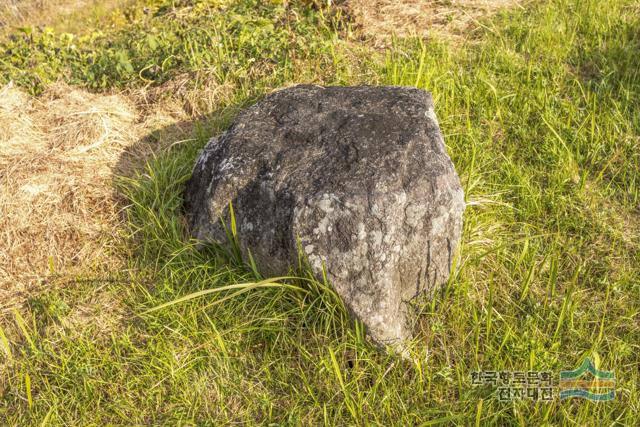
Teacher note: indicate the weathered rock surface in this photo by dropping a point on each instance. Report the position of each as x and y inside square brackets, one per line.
[359, 176]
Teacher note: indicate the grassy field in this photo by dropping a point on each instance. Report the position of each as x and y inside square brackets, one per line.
[540, 108]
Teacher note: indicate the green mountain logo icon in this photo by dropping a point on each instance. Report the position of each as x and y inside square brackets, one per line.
[600, 387]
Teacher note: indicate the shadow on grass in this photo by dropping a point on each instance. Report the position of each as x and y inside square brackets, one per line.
[149, 182]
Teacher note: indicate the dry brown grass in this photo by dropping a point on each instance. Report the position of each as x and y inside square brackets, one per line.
[59, 13]
[59, 154]
[56, 200]
[381, 19]
[186, 95]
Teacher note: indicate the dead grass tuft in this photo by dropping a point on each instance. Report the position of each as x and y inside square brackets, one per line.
[56, 199]
[381, 19]
[101, 311]
[186, 95]
[16, 13]
[59, 153]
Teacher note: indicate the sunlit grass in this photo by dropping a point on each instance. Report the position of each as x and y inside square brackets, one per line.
[542, 120]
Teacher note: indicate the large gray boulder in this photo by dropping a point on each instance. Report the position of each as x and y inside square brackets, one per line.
[357, 177]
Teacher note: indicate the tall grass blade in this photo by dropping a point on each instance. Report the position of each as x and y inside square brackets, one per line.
[267, 283]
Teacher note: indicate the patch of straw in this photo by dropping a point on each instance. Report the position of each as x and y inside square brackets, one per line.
[381, 19]
[16, 13]
[57, 153]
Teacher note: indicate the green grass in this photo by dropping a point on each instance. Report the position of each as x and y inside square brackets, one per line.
[542, 119]
[239, 43]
